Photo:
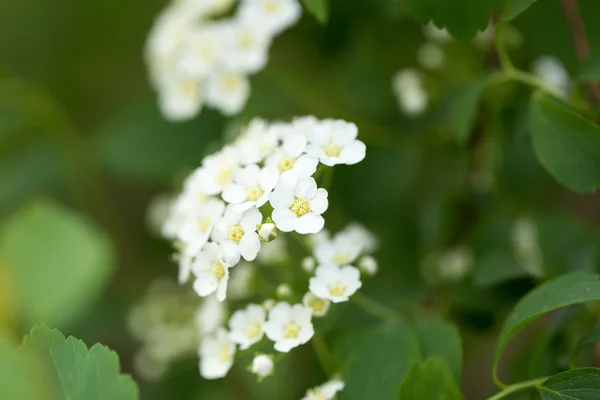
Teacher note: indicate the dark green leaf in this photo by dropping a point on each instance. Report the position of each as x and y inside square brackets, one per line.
[589, 71]
[576, 384]
[79, 373]
[460, 107]
[569, 289]
[590, 338]
[495, 267]
[566, 144]
[462, 18]
[441, 339]
[430, 380]
[58, 262]
[514, 8]
[318, 8]
[379, 362]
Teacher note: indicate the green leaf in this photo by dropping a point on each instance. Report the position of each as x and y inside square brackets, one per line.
[514, 8]
[462, 18]
[590, 338]
[430, 380]
[565, 143]
[495, 267]
[318, 8]
[589, 71]
[56, 260]
[378, 363]
[576, 384]
[569, 289]
[17, 374]
[79, 373]
[438, 338]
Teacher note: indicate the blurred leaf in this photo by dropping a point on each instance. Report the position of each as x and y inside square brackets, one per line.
[80, 373]
[379, 362]
[17, 377]
[569, 289]
[318, 8]
[462, 18]
[57, 260]
[496, 267]
[590, 338]
[566, 144]
[438, 338]
[589, 70]
[513, 8]
[430, 380]
[577, 384]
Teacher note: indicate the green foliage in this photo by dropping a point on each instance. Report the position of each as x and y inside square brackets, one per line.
[576, 384]
[495, 267]
[462, 18]
[76, 372]
[513, 8]
[318, 8]
[18, 379]
[590, 338]
[429, 380]
[441, 339]
[589, 71]
[566, 144]
[569, 289]
[69, 267]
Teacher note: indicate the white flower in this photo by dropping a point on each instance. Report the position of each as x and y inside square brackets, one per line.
[326, 391]
[408, 88]
[268, 304]
[247, 45]
[262, 365]
[203, 52]
[289, 326]
[455, 263]
[217, 353]
[334, 142]
[181, 98]
[343, 249]
[368, 265]
[219, 169]
[267, 232]
[236, 232]
[227, 91]
[318, 306]
[363, 238]
[256, 142]
[290, 157]
[283, 290]
[195, 230]
[246, 326]
[210, 315]
[273, 15]
[436, 34]
[212, 271]
[308, 264]
[305, 125]
[335, 283]
[298, 204]
[170, 31]
[525, 245]
[431, 56]
[251, 186]
[550, 70]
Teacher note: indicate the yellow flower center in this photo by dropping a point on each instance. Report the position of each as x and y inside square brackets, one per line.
[272, 6]
[318, 305]
[229, 82]
[341, 258]
[316, 395]
[205, 51]
[332, 149]
[204, 224]
[236, 233]
[254, 193]
[291, 330]
[224, 354]
[224, 176]
[286, 163]
[217, 270]
[188, 88]
[245, 41]
[337, 289]
[300, 207]
[254, 330]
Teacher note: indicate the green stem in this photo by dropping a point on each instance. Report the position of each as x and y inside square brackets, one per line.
[517, 387]
[323, 355]
[375, 308]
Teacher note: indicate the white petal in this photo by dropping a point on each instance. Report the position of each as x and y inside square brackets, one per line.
[284, 219]
[250, 246]
[306, 188]
[306, 165]
[250, 219]
[320, 202]
[231, 252]
[353, 153]
[281, 197]
[205, 284]
[309, 223]
[222, 288]
[234, 193]
[294, 144]
[268, 178]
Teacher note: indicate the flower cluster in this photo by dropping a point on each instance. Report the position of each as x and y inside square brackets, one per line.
[197, 58]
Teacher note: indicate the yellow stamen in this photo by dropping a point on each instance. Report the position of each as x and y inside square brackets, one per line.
[318, 305]
[341, 258]
[254, 330]
[236, 233]
[332, 149]
[286, 163]
[217, 270]
[204, 224]
[291, 330]
[224, 354]
[300, 207]
[254, 193]
[337, 289]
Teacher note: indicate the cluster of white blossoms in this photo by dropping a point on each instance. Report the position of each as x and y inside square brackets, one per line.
[198, 57]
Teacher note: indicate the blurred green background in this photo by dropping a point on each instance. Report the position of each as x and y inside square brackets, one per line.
[84, 150]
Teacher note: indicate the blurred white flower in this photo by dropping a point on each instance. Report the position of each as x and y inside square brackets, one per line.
[246, 46]
[246, 326]
[216, 353]
[335, 283]
[182, 98]
[219, 169]
[410, 94]
[257, 141]
[211, 271]
[554, 74]
[273, 15]
[318, 306]
[431, 56]
[262, 365]
[227, 91]
[289, 326]
[334, 142]
[326, 391]
[341, 250]
[308, 264]
[363, 238]
[204, 51]
[210, 315]
[251, 186]
[237, 234]
[196, 229]
[283, 290]
[455, 263]
[368, 265]
[525, 245]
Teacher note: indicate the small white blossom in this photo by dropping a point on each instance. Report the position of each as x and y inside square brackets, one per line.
[219, 169]
[211, 271]
[256, 142]
[217, 353]
[251, 186]
[308, 264]
[319, 306]
[343, 249]
[246, 326]
[237, 235]
[210, 315]
[431, 56]
[267, 232]
[204, 51]
[335, 283]
[268, 304]
[455, 263]
[227, 91]
[305, 125]
[554, 74]
[247, 45]
[334, 142]
[363, 238]
[182, 97]
[410, 94]
[273, 15]
[262, 365]
[368, 265]
[283, 290]
[291, 157]
[326, 391]
[298, 205]
[525, 245]
[289, 326]
[196, 229]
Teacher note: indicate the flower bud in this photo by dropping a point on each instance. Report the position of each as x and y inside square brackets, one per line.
[283, 290]
[268, 304]
[308, 264]
[262, 365]
[368, 265]
[267, 232]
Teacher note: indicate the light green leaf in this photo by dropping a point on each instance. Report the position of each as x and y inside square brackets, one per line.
[57, 261]
[495, 267]
[590, 338]
[569, 289]
[589, 71]
[462, 18]
[318, 8]
[438, 338]
[514, 8]
[378, 363]
[17, 374]
[79, 373]
[430, 380]
[566, 144]
[576, 384]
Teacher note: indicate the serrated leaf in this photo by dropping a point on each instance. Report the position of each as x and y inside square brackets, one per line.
[18, 379]
[462, 18]
[58, 262]
[80, 373]
[566, 144]
[514, 8]
[430, 380]
[318, 8]
[576, 384]
[441, 339]
[569, 289]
